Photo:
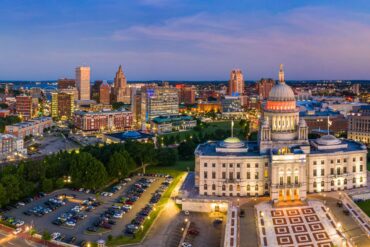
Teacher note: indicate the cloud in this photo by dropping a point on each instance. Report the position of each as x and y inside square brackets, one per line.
[327, 41]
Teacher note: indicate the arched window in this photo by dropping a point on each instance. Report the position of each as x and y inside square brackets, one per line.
[248, 187]
[213, 187]
[256, 187]
[360, 179]
[230, 187]
[205, 186]
[223, 187]
[354, 180]
[345, 181]
[322, 184]
[238, 187]
[332, 183]
[338, 182]
[314, 184]
[266, 186]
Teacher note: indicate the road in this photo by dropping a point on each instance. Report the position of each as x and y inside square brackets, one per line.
[10, 240]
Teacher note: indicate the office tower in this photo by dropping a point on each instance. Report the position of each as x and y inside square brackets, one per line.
[95, 90]
[104, 93]
[356, 88]
[120, 90]
[186, 93]
[158, 101]
[236, 83]
[24, 107]
[83, 82]
[62, 105]
[264, 87]
[65, 83]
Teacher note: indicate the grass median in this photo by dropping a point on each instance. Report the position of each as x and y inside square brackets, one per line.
[125, 239]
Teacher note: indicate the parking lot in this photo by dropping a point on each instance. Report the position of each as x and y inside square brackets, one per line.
[85, 218]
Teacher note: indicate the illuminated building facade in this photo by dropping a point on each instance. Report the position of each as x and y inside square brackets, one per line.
[284, 163]
[103, 121]
[62, 105]
[83, 82]
[236, 83]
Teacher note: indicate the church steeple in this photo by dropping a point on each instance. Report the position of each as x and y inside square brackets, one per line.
[281, 74]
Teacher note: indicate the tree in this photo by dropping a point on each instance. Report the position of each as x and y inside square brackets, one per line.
[47, 185]
[120, 165]
[11, 186]
[46, 235]
[186, 149]
[167, 156]
[87, 172]
[59, 183]
[3, 198]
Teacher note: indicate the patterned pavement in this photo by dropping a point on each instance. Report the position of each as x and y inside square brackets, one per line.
[304, 226]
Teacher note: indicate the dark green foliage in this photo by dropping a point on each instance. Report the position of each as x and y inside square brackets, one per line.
[167, 156]
[186, 149]
[8, 121]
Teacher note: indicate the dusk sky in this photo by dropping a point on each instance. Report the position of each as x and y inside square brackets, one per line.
[185, 39]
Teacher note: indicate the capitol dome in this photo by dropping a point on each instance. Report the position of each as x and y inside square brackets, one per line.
[281, 92]
[328, 140]
[232, 142]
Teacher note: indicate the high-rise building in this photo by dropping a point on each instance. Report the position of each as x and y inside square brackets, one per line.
[158, 101]
[83, 82]
[65, 83]
[62, 105]
[24, 107]
[95, 90]
[186, 93]
[236, 82]
[104, 93]
[120, 90]
[356, 88]
[359, 124]
[264, 87]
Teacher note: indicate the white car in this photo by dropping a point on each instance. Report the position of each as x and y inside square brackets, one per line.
[118, 215]
[127, 179]
[19, 223]
[55, 235]
[71, 223]
[185, 244]
[17, 230]
[186, 212]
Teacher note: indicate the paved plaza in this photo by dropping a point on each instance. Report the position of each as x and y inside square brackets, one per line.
[304, 226]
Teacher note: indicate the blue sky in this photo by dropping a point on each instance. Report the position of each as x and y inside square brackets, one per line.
[185, 39]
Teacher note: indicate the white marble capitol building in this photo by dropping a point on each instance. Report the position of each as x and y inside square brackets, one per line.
[284, 163]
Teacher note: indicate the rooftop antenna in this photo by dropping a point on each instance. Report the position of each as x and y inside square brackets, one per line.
[232, 128]
[329, 124]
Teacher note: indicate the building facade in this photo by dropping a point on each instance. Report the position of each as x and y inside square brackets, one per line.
[158, 101]
[165, 124]
[264, 87]
[236, 83]
[62, 105]
[83, 82]
[102, 121]
[186, 93]
[33, 127]
[120, 90]
[104, 93]
[24, 107]
[359, 124]
[10, 145]
[284, 163]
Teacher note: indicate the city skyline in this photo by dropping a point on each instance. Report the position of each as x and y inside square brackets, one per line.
[175, 40]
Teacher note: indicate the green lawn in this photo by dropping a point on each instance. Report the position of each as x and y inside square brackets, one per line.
[123, 239]
[365, 206]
